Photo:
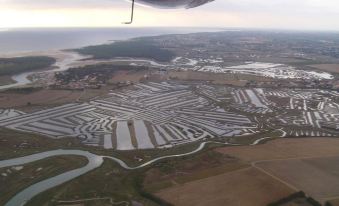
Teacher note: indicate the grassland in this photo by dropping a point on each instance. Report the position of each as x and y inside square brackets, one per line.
[42, 98]
[109, 181]
[17, 144]
[182, 170]
[15, 179]
[137, 157]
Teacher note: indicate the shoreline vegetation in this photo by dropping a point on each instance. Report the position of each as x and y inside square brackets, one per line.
[138, 48]
[16, 65]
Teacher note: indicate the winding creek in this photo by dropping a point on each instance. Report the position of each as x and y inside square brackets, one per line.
[20, 80]
[22, 197]
[94, 161]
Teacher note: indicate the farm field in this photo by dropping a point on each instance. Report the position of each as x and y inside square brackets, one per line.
[334, 68]
[285, 149]
[275, 170]
[305, 164]
[254, 188]
[317, 177]
[183, 170]
[42, 97]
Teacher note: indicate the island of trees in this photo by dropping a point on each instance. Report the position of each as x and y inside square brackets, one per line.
[138, 48]
[10, 66]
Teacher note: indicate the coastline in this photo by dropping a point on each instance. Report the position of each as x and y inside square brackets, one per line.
[64, 60]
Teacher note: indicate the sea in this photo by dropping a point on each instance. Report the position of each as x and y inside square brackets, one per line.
[36, 39]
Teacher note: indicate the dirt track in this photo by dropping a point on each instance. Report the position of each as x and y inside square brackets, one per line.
[318, 177]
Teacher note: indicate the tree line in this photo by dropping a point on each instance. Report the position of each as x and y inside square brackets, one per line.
[132, 49]
[10, 66]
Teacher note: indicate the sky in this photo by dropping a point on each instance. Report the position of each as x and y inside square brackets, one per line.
[263, 14]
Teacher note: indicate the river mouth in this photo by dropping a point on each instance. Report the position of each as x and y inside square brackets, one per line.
[64, 60]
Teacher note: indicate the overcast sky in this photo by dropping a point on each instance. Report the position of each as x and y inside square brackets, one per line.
[279, 14]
